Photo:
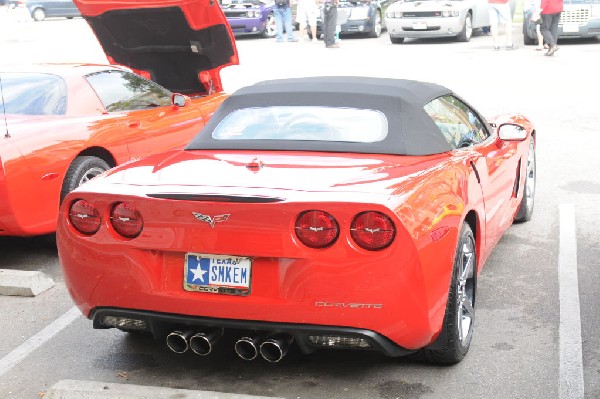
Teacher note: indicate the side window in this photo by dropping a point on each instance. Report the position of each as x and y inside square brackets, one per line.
[34, 94]
[458, 123]
[125, 91]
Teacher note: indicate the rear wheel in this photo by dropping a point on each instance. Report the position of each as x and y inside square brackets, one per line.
[460, 309]
[38, 14]
[527, 202]
[81, 170]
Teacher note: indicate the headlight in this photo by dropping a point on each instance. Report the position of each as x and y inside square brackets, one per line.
[254, 14]
[359, 13]
[595, 10]
[394, 14]
[450, 13]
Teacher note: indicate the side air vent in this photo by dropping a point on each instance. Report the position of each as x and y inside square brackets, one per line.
[217, 198]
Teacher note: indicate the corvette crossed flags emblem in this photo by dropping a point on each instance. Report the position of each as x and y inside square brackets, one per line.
[211, 220]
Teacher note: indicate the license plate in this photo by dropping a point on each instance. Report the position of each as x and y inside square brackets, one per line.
[419, 26]
[218, 274]
[571, 28]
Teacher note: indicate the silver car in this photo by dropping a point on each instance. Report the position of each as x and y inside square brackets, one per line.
[42, 9]
[436, 18]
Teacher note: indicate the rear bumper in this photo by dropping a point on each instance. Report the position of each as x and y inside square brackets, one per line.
[161, 324]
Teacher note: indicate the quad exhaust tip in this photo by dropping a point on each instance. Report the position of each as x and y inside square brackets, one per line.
[247, 347]
[201, 343]
[272, 349]
[275, 348]
[177, 341]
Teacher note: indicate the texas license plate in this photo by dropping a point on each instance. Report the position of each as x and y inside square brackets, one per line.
[219, 274]
[570, 28]
[419, 26]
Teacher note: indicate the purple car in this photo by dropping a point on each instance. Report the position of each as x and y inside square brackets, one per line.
[250, 17]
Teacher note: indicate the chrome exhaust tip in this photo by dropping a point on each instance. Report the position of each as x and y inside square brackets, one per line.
[177, 341]
[275, 348]
[202, 343]
[246, 347]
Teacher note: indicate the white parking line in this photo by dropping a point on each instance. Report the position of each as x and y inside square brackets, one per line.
[21, 352]
[571, 384]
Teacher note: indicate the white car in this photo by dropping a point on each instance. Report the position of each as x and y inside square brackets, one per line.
[436, 18]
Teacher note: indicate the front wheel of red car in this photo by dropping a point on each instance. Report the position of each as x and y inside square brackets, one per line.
[81, 170]
[460, 309]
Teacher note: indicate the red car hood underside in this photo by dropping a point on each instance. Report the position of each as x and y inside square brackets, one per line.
[180, 44]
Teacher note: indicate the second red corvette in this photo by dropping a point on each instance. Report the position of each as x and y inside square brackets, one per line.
[62, 125]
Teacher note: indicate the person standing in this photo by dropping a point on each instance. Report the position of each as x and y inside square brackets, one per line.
[551, 10]
[500, 14]
[330, 22]
[307, 11]
[283, 17]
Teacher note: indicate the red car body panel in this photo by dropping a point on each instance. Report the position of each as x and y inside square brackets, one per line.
[399, 292]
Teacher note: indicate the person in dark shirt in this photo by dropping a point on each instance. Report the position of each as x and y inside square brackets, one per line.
[330, 22]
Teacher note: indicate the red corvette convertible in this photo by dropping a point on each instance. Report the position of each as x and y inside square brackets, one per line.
[61, 125]
[331, 212]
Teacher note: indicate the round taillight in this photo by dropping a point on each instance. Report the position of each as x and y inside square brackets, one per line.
[372, 230]
[317, 229]
[126, 220]
[84, 217]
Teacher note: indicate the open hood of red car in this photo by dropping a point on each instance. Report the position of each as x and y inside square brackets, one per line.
[180, 44]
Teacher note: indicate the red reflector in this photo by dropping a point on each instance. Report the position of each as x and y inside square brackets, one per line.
[84, 217]
[126, 220]
[317, 229]
[372, 230]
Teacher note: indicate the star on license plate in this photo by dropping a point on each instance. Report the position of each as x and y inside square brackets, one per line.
[219, 274]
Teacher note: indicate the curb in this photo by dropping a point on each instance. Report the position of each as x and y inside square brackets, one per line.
[73, 389]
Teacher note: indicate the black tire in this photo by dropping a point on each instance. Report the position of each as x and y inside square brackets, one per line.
[270, 31]
[527, 40]
[467, 31]
[396, 40]
[527, 202]
[38, 14]
[377, 26]
[460, 309]
[82, 169]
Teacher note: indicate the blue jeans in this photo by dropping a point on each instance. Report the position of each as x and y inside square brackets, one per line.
[283, 15]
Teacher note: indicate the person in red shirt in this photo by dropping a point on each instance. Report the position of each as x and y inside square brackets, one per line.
[551, 10]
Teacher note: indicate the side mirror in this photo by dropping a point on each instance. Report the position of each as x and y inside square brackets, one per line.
[511, 132]
[179, 100]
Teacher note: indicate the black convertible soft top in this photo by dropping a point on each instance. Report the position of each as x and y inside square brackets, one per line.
[410, 130]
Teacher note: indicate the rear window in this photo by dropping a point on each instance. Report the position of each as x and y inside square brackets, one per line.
[34, 94]
[303, 123]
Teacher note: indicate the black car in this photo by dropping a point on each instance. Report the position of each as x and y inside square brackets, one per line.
[359, 16]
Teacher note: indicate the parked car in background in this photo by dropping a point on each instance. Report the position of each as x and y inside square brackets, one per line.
[421, 19]
[325, 212]
[579, 19]
[359, 17]
[62, 125]
[250, 17]
[42, 9]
